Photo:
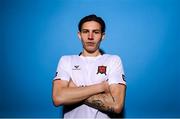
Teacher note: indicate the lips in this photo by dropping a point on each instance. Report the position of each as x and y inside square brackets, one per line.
[90, 43]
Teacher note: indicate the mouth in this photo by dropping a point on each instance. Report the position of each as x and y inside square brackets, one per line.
[90, 43]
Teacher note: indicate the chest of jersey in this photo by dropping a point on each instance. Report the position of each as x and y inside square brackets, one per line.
[88, 72]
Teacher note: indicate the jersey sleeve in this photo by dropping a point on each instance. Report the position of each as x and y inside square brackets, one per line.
[63, 69]
[116, 74]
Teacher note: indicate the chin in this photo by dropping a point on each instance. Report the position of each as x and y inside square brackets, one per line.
[90, 49]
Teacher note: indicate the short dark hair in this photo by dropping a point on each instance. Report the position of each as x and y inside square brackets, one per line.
[92, 17]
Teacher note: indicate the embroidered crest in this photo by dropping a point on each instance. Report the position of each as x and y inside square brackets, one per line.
[101, 70]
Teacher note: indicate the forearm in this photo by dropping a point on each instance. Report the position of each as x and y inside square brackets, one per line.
[110, 102]
[102, 101]
[70, 95]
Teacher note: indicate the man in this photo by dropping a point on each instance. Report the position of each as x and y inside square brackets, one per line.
[91, 84]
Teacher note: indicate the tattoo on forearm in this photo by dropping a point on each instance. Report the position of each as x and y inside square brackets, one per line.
[99, 103]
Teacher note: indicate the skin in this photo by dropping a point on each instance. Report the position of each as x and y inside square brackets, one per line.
[65, 95]
[91, 37]
[111, 101]
[101, 96]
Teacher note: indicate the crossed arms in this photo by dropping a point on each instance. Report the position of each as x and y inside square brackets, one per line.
[101, 96]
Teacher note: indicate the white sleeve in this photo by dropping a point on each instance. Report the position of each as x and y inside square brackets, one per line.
[116, 74]
[63, 69]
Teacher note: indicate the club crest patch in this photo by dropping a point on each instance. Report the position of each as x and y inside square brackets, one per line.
[102, 70]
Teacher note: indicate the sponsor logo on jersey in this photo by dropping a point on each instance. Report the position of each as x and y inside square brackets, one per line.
[102, 70]
[76, 67]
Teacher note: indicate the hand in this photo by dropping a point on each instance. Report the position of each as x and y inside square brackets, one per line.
[106, 86]
[71, 84]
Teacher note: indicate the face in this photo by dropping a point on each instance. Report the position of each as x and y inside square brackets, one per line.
[91, 36]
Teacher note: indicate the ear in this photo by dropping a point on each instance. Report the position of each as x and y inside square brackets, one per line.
[103, 36]
[79, 35]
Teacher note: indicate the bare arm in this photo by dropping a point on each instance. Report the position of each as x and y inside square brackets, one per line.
[64, 95]
[114, 100]
[110, 102]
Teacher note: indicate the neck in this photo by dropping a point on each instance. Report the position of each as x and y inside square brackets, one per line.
[93, 54]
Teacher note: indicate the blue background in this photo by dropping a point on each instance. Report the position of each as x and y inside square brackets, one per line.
[36, 33]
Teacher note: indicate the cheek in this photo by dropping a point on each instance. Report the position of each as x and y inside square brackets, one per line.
[98, 41]
[84, 38]
[98, 37]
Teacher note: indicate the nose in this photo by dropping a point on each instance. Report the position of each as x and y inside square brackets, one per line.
[90, 36]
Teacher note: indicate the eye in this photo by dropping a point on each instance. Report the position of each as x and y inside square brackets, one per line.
[97, 32]
[85, 31]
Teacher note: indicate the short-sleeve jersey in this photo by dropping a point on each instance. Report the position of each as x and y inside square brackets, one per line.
[84, 71]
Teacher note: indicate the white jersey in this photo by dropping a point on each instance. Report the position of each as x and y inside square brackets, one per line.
[84, 71]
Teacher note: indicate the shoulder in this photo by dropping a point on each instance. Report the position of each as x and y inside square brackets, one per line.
[68, 58]
[112, 57]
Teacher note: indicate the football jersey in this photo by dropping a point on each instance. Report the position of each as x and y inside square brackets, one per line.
[85, 71]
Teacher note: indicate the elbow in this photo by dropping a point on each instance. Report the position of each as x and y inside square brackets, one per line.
[118, 109]
[57, 101]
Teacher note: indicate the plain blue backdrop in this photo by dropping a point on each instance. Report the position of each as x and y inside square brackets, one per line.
[36, 33]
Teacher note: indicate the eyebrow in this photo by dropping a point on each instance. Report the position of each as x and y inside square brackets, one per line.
[92, 30]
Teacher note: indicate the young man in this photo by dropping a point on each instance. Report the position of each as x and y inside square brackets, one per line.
[91, 84]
